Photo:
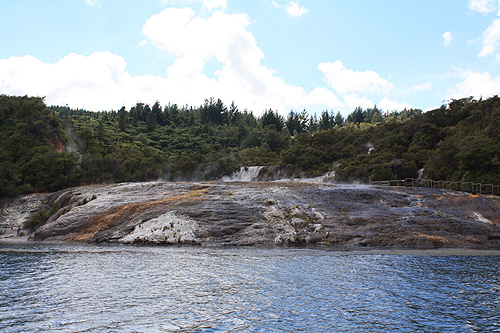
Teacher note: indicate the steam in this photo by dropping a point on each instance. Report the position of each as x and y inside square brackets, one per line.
[370, 147]
[245, 174]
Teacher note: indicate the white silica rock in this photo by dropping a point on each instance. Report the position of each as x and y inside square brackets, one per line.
[245, 174]
[166, 228]
[480, 218]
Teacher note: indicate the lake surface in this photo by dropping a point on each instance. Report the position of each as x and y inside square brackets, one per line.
[87, 288]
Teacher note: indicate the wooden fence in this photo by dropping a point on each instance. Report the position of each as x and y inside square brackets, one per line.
[470, 187]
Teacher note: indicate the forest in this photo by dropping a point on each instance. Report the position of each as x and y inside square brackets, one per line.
[47, 148]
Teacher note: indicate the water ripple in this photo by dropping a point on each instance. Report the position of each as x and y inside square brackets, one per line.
[75, 288]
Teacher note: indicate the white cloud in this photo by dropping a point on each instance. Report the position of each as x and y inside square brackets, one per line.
[91, 2]
[214, 4]
[161, 29]
[419, 88]
[483, 6]
[96, 82]
[206, 4]
[293, 8]
[323, 96]
[22, 75]
[389, 105]
[491, 38]
[476, 84]
[225, 38]
[360, 88]
[346, 81]
[353, 101]
[100, 81]
[447, 38]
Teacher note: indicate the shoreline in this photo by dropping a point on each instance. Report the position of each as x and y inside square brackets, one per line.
[461, 252]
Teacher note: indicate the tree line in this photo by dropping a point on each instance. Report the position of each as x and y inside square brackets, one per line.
[49, 148]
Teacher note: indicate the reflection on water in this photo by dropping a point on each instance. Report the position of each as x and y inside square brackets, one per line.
[161, 289]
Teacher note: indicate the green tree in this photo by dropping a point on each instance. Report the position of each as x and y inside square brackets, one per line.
[356, 117]
[122, 119]
[214, 112]
[339, 119]
[297, 122]
[326, 121]
[272, 118]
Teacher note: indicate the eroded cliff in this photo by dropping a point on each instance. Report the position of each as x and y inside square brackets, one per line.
[268, 213]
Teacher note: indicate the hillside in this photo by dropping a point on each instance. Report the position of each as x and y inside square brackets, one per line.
[32, 139]
[47, 149]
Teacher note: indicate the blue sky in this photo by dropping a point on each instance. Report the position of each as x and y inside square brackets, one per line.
[279, 54]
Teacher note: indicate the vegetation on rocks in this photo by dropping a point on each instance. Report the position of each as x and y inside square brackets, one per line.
[50, 148]
[31, 157]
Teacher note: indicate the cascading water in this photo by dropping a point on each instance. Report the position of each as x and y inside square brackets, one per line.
[245, 174]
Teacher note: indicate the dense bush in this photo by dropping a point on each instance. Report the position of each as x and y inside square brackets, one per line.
[31, 139]
[46, 149]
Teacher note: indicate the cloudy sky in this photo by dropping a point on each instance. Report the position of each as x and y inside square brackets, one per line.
[279, 54]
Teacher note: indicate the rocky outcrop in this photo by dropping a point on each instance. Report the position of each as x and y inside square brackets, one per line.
[15, 211]
[272, 213]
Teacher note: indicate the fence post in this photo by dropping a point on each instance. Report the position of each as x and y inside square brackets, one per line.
[441, 184]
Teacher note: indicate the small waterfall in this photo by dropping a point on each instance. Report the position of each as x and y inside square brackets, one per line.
[245, 174]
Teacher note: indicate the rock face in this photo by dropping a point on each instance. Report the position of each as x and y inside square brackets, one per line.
[15, 211]
[272, 213]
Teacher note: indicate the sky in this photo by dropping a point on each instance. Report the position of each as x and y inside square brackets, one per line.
[282, 55]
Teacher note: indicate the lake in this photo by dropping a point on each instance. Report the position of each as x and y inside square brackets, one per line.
[106, 288]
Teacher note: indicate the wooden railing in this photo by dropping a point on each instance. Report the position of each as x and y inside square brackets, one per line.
[470, 187]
